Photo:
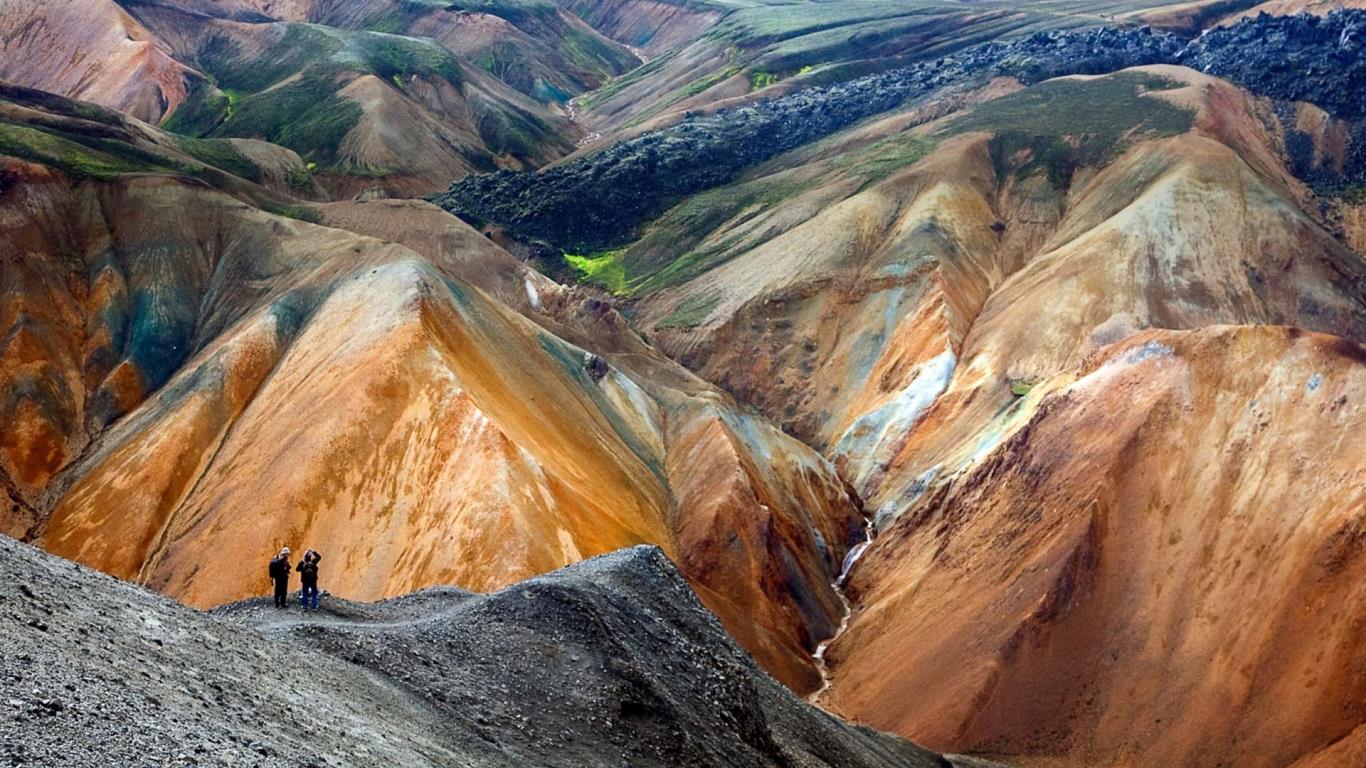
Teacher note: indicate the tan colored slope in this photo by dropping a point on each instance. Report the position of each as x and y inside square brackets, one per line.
[1150, 562]
[1347, 751]
[855, 301]
[1160, 564]
[1207, 240]
[396, 135]
[653, 26]
[1192, 17]
[91, 50]
[444, 239]
[1292, 7]
[331, 390]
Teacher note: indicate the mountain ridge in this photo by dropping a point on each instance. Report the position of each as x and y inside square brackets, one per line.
[992, 372]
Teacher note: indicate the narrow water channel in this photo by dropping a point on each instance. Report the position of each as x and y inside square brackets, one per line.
[850, 559]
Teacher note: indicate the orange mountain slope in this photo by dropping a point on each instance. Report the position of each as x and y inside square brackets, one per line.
[91, 50]
[941, 330]
[195, 382]
[1170, 534]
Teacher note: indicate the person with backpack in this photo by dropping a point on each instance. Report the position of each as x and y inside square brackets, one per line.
[279, 573]
[308, 575]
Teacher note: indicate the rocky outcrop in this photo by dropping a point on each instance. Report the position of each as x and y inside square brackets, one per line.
[1295, 58]
[609, 661]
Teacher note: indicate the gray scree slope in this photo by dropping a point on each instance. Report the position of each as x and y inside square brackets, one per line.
[610, 662]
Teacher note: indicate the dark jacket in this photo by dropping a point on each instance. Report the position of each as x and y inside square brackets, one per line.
[308, 570]
[279, 570]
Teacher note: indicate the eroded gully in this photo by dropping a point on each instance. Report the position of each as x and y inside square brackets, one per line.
[850, 559]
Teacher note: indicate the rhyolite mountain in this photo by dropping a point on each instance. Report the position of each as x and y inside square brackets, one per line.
[180, 350]
[391, 96]
[992, 371]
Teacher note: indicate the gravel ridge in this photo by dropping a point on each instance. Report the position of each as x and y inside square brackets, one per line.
[609, 662]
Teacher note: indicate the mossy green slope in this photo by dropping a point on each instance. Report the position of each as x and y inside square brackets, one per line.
[87, 142]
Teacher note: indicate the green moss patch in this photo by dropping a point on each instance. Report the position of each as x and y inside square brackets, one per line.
[307, 116]
[303, 46]
[883, 158]
[604, 269]
[72, 158]
[204, 109]
[760, 80]
[220, 153]
[391, 56]
[1058, 126]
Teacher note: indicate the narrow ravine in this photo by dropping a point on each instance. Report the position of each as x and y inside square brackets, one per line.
[571, 109]
[850, 558]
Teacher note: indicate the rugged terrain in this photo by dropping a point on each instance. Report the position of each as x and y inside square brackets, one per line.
[378, 97]
[1066, 300]
[950, 300]
[609, 662]
[194, 376]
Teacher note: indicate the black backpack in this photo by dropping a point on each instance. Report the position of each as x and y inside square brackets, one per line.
[278, 568]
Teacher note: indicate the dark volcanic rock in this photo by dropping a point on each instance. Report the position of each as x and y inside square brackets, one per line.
[1296, 58]
[602, 200]
[611, 662]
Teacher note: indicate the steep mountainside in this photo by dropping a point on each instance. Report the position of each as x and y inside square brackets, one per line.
[639, 673]
[951, 300]
[91, 49]
[387, 96]
[993, 371]
[193, 378]
[918, 304]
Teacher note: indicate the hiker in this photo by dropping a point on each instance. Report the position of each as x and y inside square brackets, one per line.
[308, 574]
[279, 573]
